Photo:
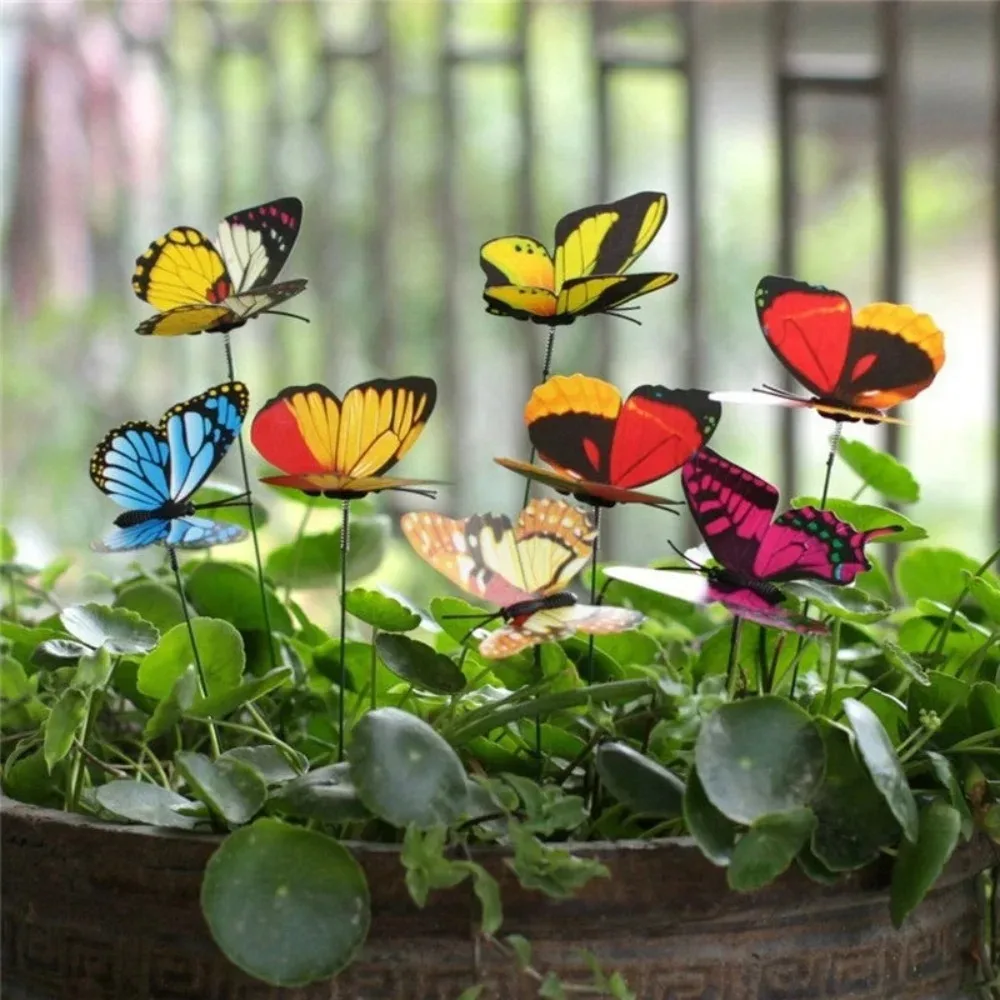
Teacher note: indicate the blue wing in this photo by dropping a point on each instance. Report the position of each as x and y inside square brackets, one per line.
[136, 536]
[200, 533]
[131, 466]
[199, 433]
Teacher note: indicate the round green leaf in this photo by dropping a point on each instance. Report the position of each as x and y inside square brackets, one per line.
[643, 785]
[232, 592]
[325, 794]
[768, 848]
[865, 517]
[469, 616]
[269, 762]
[219, 647]
[117, 629]
[93, 669]
[170, 710]
[935, 573]
[847, 603]
[219, 704]
[712, 832]
[314, 560]
[919, 864]
[212, 492]
[27, 779]
[287, 905]
[404, 771]
[159, 605]
[883, 765]
[759, 756]
[880, 471]
[381, 612]
[233, 790]
[417, 663]
[985, 594]
[140, 802]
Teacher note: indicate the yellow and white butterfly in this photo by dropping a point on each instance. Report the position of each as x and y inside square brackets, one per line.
[523, 567]
[594, 246]
[201, 287]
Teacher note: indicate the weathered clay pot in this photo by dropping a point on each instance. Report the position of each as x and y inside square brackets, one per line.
[94, 912]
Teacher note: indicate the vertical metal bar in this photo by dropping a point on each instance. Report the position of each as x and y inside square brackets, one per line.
[996, 263]
[384, 334]
[781, 11]
[890, 166]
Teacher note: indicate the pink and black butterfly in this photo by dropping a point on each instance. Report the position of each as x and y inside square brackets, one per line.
[734, 511]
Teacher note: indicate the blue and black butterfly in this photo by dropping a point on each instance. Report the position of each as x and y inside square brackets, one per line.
[153, 471]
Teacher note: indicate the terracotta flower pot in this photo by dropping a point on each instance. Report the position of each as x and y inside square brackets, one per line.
[93, 911]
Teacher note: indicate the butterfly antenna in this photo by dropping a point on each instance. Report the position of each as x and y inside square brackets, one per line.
[429, 494]
[620, 314]
[692, 564]
[278, 312]
[239, 500]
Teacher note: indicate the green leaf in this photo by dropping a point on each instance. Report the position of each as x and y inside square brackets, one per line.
[27, 779]
[54, 572]
[443, 608]
[985, 594]
[117, 629]
[325, 794]
[59, 649]
[768, 848]
[759, 756]
[64, 723]
[644, 785]
[847, 603]
[899, 658]
[883, 765]
[227, 700]
[287, 905]
[19, 706]
[93, 670]
[551, 987]
[232, 592]
[8, 550]
[404, 771]
[426, 866]
[866, 517]
[220, 648]
[882, 472]
[919, 864]
[935, 573]
[487, 891]
[521, 947]
[170, 710]
[269, 762]
[554, 871]
[157, 604]
[417, 663]
[232, 790]
[381, 612]
[314, 560]
[854, 820]
[713, 832]
[945, 773]
[212, 492]
[471, 992]
[140, 802]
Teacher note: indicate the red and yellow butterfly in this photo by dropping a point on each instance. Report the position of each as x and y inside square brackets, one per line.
[602, 449]
[525, 568]
[856, 364]
[593, 248]
[204, 288]
[341, 449]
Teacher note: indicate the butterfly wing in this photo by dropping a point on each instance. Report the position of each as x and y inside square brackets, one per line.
[606, 293]
[809, 543]
[201, 533]
[135, 536]
[607, 239]
[553, 624]
[519, 278]
[199, 432]
[306, 431]
[190, 319]
[181, 268]
[731, 506]
[132, 465]
[256, 242]
[895, 352]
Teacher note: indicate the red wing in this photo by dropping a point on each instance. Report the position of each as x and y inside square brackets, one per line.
[808, 327]
[657, 430]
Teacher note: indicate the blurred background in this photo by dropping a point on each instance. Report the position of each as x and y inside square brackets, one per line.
[852, 144]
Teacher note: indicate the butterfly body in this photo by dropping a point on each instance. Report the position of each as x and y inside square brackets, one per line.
[203, 287]
[856, 364]
[524, 568]
[593, 248]
[152, 471]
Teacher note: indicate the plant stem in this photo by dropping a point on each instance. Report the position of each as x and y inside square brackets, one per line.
[832, 672]
[239, 727]
[941, 633]
[213, 736]
[856, 495]
[13, 596]
[374, 694]
[732, 674]
[76, 774]
[345, 536]
[297, 549]
[227, 343]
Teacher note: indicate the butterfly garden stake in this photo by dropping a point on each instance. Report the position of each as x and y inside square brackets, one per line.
[201, 287]
[153, 471]
[341, 449]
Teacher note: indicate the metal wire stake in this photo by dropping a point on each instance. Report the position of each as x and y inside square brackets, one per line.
[345, 545]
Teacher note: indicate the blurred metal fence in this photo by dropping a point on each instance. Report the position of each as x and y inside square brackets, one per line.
[138, 169]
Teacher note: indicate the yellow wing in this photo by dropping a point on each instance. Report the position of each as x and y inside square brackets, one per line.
[607, 239]
[186, 319]
[516, 260]
[605, 294]
[181, 268]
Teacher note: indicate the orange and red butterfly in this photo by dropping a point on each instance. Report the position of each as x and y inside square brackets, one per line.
[342, 449]
[601, 448]
[856, 364]
[594, 246]
[523, 567]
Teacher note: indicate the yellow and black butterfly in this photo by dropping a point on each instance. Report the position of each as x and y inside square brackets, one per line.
[341, 449]
[593, 248]
[204, 288]
[524, 567]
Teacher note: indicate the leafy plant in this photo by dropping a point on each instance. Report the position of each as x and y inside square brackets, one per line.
[879, 742]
